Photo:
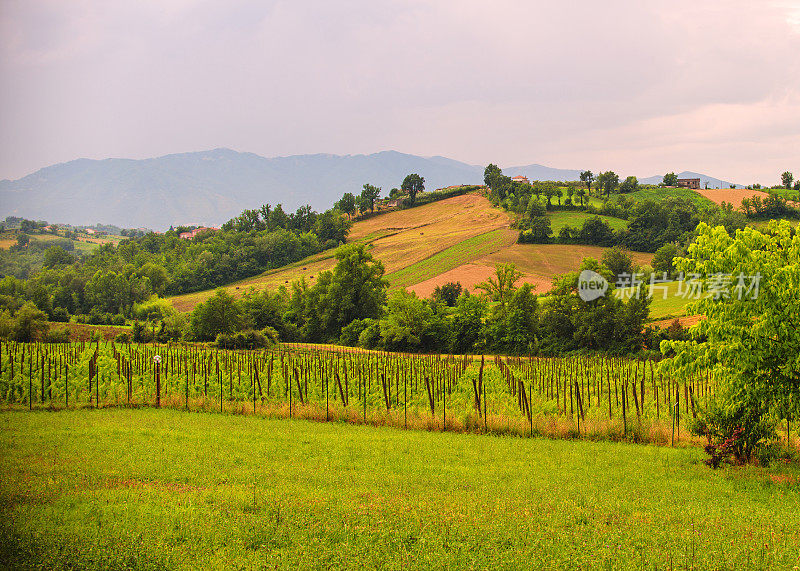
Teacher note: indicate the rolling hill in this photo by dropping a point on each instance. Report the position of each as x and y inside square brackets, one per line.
[459, 239]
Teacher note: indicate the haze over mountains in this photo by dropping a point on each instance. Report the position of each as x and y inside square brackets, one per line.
[210, 187]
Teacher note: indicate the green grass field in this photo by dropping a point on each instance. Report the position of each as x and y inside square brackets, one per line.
[671, 305]
[563, 218]
[163, 489]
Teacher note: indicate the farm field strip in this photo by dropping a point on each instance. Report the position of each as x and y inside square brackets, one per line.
[452, 257]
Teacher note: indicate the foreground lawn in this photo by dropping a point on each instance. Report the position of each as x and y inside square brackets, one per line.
[166, 489]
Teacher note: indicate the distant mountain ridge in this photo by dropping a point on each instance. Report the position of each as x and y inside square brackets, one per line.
[210, 187]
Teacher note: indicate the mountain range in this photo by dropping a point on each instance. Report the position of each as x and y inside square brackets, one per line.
[210, 187]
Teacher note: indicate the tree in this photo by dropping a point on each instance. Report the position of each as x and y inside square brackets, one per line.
[787, 178]
[538, 231]
[501, 286]
[467, 325]
[630, 184]
[409, 322]
[618, 261]
[596, 231]
[608, 181]
[588, 178]
[413, 184]
[664, 258]
[581, 192]
[219, 314]
[490, 174]
[355, 289]
[448, 293]
[750, 338]
[347, 204]
[57, 256]
[670, 179]
[369, 194]
[30, 323]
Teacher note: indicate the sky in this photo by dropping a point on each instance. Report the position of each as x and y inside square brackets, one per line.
[641, 87]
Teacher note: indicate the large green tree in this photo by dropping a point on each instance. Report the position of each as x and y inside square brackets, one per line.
[413, 184]
[608, 181]
[219, 314]
[355, 289]
[347, 204]
[786, 179]
[749, 341]
[500, 287]
[670, 179]
[630, 184]
[369, 194]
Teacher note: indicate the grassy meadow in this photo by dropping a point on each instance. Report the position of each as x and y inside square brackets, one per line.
[126, 488]
[561, 218]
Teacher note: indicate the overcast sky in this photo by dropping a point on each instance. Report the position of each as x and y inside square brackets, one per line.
[639, 87]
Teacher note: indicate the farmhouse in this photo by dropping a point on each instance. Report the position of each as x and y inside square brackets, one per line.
[520, 178]
[195, 232]
[693, 183]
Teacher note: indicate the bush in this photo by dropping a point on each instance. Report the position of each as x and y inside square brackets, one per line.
[248, 339]
[735, 433]
[370, 337]
[118, 320]
[60, 335]
[60, 314]
[122, 338]
[351, 332]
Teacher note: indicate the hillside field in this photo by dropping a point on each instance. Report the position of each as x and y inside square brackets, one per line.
[457, 239]
[165, 489]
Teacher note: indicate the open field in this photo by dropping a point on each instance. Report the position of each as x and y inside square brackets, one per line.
[785, 193]
[538, 263]
[731, 195]
[562, 218]
[164, 489]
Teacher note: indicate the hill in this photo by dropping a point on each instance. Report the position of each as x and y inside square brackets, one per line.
[457, 239]
[210, 187]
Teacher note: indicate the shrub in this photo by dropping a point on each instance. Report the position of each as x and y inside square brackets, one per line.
[60, 335]
[60, 314]
[122, 338]
[248, 339]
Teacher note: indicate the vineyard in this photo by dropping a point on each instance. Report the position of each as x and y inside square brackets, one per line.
[586, 396]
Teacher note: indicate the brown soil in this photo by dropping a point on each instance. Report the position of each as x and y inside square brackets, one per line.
[731, 195]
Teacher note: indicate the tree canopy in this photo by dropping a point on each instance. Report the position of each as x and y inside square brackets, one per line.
[412, 184]
[750, 337]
